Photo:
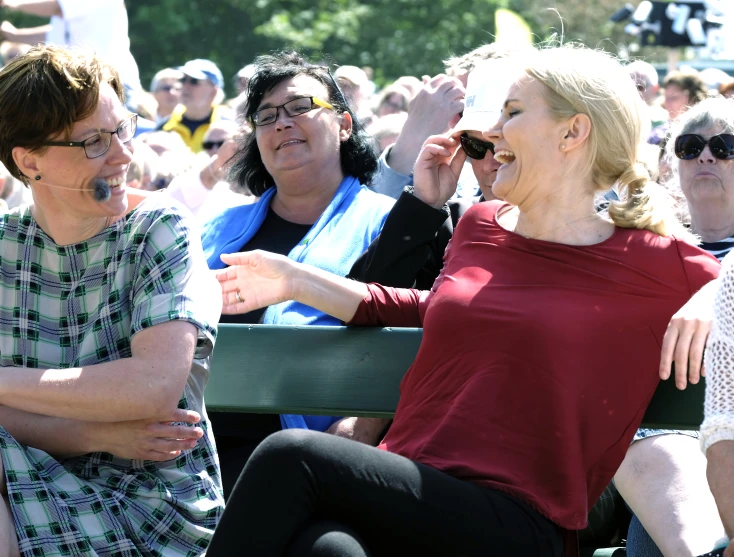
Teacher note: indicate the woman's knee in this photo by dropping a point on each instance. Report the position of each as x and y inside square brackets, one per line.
[284, 448]
[662, 456]
[326, 538]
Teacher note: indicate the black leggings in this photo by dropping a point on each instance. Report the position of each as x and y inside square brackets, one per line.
[306, 493]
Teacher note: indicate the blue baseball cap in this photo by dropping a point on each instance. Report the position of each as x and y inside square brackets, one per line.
[203, 69]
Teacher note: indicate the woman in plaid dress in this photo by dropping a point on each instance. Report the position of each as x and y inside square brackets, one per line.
[106, 308]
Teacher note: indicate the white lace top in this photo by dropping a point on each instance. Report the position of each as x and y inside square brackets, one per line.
[718, 424]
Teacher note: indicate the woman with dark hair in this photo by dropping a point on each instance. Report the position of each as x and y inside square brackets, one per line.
[308, 160]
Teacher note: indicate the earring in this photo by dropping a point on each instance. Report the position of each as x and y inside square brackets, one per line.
[563, 147]
[38, 177]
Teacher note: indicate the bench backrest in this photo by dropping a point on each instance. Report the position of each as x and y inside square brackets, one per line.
[344, 371]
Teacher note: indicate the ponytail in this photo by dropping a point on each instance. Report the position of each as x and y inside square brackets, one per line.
[646, 205]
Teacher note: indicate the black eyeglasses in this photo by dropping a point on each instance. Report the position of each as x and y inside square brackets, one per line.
[689, 146]
[293, 108]
[209, 145]
[475, 148]
[99, 144]
[191, 80]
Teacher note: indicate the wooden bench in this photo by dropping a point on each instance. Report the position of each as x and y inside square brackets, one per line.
[342, 371]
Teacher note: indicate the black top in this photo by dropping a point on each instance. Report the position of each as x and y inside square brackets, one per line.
[408, 253]
[237, 434]
[276, 235]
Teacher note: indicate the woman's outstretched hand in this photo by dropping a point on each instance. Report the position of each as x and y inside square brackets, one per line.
[254, 279]
[437, 170]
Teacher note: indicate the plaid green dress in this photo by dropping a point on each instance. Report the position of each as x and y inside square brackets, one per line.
[76, 305]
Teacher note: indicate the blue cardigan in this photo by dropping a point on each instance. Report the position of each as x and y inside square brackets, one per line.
[353, 219]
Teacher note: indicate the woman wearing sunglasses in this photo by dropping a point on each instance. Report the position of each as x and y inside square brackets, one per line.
[105, 302]
[541, 342]
[702, 155]
[307, 160]
[701, 151]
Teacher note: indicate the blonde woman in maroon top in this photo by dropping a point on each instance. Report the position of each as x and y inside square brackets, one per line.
[540, 349]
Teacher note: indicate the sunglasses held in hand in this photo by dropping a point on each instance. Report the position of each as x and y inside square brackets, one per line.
[691, 145]
[475, 148]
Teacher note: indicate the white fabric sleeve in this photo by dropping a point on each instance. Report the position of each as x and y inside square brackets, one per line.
[718, 423]
[75, 9]
[189, 190]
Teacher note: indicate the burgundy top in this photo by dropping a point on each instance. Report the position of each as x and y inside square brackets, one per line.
[538, 359]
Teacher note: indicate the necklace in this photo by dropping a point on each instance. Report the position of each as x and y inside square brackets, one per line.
[546, 232]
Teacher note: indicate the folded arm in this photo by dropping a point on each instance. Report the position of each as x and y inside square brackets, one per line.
[147, 384]
[154, 439]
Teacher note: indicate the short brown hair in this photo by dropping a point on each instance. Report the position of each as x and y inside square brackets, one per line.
[44, 93]
[690, 83]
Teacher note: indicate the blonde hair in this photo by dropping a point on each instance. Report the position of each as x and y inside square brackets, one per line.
[579, 80]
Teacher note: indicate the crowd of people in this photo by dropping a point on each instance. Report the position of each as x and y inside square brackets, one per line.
[553, 198]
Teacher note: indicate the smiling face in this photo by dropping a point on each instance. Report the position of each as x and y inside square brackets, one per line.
[304, 146]
[73, 173]
[707, 182]
[526, 139]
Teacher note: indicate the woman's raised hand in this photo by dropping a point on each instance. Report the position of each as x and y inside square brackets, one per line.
[437, 170]
[254, 279]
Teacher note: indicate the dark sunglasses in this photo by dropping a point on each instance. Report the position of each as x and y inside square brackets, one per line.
[690, 145]
[191, 80]
[475, 148]
[209, 145]
[166, 88]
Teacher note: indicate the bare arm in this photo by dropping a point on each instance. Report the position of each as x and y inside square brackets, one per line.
[434, 110]
[41, 8]
[58, 437]
[263, 279]
[29, 35]
[148, 384]
[686, 337]
[154, 439]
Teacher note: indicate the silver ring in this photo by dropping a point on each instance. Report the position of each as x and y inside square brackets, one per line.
[238, 297]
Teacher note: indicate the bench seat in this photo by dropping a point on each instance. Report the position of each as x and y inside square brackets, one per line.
[348, 371]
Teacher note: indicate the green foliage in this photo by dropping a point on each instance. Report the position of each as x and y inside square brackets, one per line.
[395, 37]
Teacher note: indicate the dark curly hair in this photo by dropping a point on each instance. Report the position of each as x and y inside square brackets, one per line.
[358, 157]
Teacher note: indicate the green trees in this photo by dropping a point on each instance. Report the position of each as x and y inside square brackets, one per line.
[395, 37]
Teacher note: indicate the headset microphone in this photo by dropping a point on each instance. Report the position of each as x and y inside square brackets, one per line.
[101, 190]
